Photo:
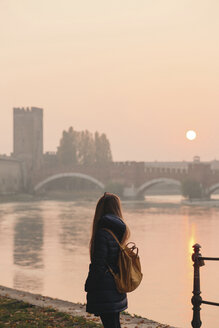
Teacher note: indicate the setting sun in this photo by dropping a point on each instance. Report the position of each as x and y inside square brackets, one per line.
[191, 135]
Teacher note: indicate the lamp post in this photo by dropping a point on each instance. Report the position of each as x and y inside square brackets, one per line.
[196, 299]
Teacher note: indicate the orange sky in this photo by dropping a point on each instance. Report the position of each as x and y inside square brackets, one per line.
[141, 71]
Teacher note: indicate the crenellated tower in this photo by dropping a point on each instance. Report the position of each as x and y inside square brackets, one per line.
[28, 136]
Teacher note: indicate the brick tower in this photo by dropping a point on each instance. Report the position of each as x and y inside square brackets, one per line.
[28, 136]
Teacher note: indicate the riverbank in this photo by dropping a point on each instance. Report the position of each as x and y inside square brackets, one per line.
[153, 201]
[52, 310]
[20, 314]
[204, 203]
[55, 196]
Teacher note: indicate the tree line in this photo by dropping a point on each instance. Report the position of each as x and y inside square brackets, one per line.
[83, 148]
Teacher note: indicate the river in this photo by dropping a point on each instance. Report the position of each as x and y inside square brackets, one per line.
[44, 249]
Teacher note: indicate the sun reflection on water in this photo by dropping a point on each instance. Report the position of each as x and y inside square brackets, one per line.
[192, 239]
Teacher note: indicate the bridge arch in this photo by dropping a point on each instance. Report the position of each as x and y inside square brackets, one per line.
[70, 175]
[153, 182]
[212, 189]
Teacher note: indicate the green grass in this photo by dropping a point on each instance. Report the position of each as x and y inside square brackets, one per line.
[24, 315]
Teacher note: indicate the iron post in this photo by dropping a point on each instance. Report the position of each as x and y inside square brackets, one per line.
[196, 299]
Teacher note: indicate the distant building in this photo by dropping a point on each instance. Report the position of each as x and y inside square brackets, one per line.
[214, 165]
[28, 136]
[196, 159]
[27, 156]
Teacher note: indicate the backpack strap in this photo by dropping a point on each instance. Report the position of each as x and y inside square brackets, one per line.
[110, 269]
[114, 237]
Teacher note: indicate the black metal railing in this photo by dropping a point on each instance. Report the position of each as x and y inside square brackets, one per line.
[196, 299]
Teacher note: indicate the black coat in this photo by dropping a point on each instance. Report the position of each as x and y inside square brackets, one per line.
[102, 295]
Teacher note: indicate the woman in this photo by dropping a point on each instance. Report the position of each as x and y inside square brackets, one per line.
[103, 299]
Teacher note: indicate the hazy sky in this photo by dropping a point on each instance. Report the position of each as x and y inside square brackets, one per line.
[142, 71]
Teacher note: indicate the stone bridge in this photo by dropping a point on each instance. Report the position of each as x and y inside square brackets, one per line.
[136, 177]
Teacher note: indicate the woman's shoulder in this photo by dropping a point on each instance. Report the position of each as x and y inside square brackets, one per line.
[114, 224]
[112, 221]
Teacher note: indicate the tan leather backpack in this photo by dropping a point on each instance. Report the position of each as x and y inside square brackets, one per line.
[130, 275]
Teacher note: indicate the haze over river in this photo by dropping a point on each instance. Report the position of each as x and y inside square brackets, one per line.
[44, 249]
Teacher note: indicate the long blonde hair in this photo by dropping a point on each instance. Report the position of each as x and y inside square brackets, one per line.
[107, 204]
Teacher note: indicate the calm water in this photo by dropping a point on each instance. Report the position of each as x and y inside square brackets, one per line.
[44, 249]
